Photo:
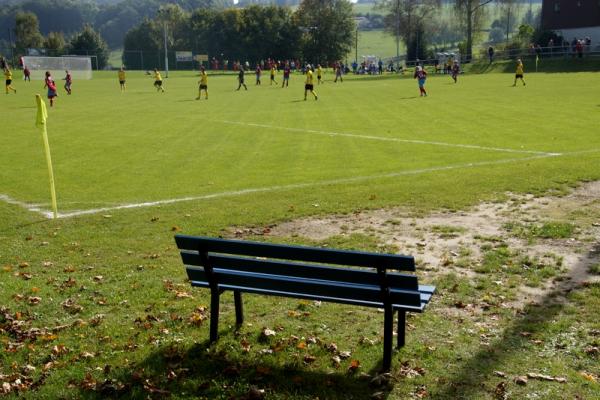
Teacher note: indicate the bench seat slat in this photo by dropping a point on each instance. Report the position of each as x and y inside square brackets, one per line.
[314, 287]
[303, 253]
[305, 296]
[364, 276]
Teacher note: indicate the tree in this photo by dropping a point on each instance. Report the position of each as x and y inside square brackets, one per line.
[146, 37]
[55, 44]
[328, 29]
[89, 42]
[407, 21]
[472, 12]
[27, 32]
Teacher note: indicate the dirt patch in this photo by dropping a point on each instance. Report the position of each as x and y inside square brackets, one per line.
[458, 241]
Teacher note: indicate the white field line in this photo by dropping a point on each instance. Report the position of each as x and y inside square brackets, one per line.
[233, 193]
[389, 139]
[31, 207]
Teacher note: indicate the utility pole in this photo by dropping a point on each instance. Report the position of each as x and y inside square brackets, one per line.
[166, 54]
[10, 44]
[507, 21]
[397, 29]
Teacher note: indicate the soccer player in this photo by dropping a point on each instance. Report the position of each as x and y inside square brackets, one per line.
[203, 84]
[26, 74]
[520, 72]
[286, 75]
[49, 83]
[258, 72]
[8, 77]
[308, 86]
[158, 81]
[241, 79]
[455, 71]
[319, 74]
[68, 80]
[121, 75]
[273, 73]
[421, 75]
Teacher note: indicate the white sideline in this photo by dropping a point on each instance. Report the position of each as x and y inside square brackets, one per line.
[48, 214]
[389, 139]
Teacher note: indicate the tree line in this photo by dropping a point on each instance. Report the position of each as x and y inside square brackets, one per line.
[318, 30]
[112, 19]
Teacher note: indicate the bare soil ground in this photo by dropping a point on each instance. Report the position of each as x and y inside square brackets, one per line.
[446, 241]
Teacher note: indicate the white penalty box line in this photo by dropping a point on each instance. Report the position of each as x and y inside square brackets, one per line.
[388, 139]
[293, 186]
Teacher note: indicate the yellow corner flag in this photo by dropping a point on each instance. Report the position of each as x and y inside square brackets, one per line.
[40, 122]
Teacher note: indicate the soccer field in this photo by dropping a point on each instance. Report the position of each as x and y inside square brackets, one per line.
[96, 304]
[365, 137]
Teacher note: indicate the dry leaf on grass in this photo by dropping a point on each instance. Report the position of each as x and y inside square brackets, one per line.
[354, 365]
[266, 332]
[541, 377]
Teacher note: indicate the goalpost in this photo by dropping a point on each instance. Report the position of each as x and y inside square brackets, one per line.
[80, 67]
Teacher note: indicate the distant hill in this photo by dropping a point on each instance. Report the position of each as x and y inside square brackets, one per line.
[112, 18]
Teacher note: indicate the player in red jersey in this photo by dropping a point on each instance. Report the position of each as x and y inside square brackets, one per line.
[421, 75]
[68, 81]
[49, 83]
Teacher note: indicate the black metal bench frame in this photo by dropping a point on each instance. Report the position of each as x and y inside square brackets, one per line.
[306, 273]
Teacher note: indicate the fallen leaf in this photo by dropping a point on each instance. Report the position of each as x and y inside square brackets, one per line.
[354, 365]
[381, 379]
[521, 380]
[309, 359]
[344, 355]
[183, 295]
[421, 392]
[588, 377]
[533, 375]
[33, 300]
[332, 347]
[500, 391]
[266, 332]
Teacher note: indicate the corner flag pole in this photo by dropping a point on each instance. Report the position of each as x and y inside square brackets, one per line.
[40, 122]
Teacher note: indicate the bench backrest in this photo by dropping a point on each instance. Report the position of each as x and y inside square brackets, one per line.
[300, 271]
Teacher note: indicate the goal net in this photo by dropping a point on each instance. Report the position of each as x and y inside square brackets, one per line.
[79, 67]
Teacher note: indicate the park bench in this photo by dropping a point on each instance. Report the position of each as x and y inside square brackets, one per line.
[339, 276]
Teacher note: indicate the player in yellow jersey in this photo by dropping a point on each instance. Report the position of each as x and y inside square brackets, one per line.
[520, 72]
[121, 75]
[203, 84]
[319, 74]
[158, 81]
[273, 73]
[8, 77]
[309, 86]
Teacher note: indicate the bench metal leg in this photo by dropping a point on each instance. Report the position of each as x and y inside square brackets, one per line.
[401, 328]
[214, 315]
[239, 308]
[388, 337]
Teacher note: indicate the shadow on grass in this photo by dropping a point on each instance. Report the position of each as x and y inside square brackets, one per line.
[536, 317]
[201, 371]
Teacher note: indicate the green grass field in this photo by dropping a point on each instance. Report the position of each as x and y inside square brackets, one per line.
[112, 318]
